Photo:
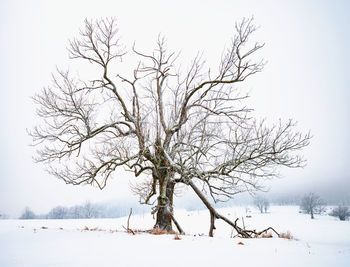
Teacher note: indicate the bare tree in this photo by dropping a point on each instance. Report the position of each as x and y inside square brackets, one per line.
[342, 212]
[27, 214]
[4, 216]
[261, 203]
[75, 212]
[266, 205]
[89, 211]
[58, 212]
[312, 204]
[172, 124]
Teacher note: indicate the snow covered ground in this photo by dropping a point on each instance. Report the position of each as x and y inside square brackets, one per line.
[324, 241]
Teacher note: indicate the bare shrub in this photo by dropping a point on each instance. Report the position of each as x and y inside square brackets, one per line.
[158, 231]
[176, 237]
[266, 236]
[287, 235]
[342, 212]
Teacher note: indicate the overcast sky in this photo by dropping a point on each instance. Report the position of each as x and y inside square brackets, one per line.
[307, 78]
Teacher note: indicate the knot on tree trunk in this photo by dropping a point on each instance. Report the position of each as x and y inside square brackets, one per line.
[163, 203]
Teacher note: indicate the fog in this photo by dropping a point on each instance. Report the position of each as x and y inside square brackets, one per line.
[306, 78]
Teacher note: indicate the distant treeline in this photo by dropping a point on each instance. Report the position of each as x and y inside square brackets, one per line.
[85, 211]
[111, 210]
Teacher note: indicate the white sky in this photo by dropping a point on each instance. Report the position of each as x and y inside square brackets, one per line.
[307, 78]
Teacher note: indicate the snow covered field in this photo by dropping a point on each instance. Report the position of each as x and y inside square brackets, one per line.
[324, 241]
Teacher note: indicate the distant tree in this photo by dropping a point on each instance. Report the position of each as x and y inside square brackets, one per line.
[179, 126]
[27, 214]
[89, 211]
[287, 200]
[342, 212]
[262, 203]
[58, 212]
[3, 216]
[266, 205]
[312, 204]
[75, 212]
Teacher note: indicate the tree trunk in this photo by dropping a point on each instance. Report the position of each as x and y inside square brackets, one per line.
[165, 209]
[212, 223]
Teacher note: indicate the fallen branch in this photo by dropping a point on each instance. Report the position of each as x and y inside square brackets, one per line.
[241, 232]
